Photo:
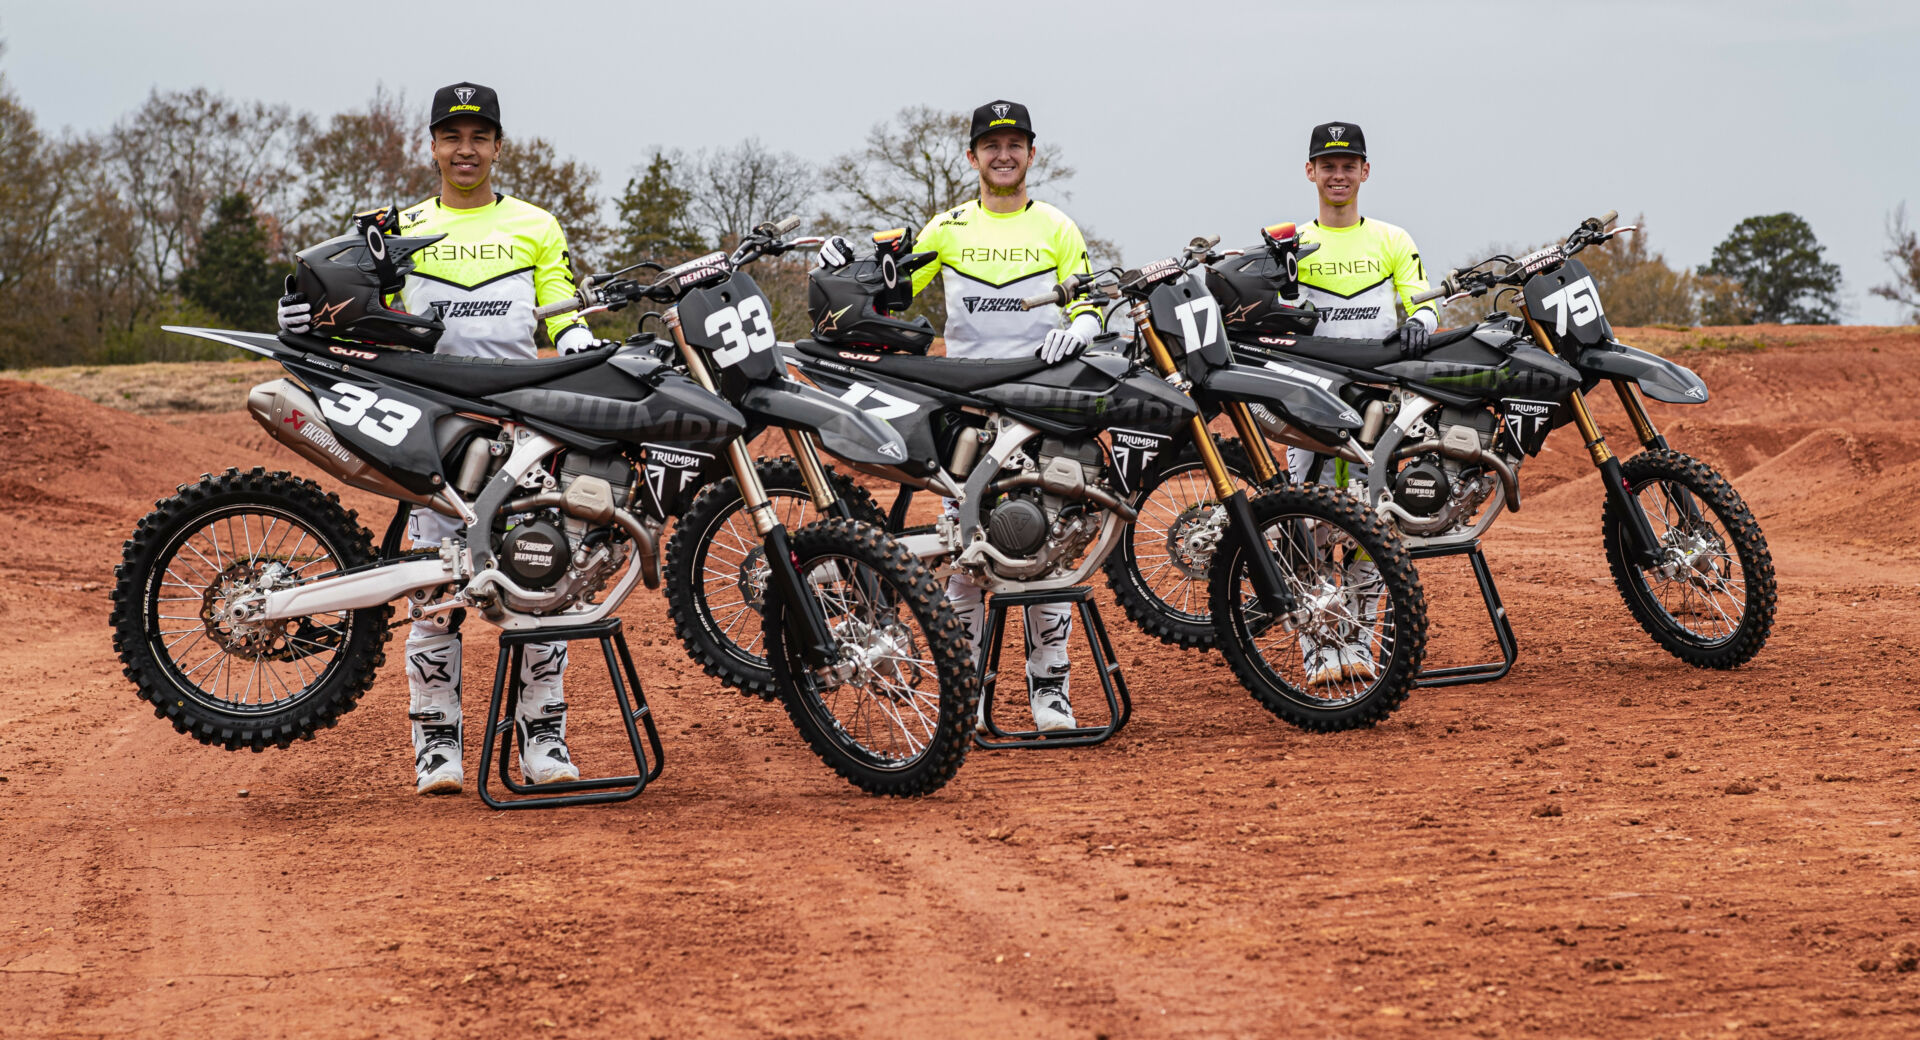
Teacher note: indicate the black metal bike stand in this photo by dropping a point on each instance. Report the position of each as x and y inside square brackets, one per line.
[1112, 683]
[507, 687]
[1460, 675]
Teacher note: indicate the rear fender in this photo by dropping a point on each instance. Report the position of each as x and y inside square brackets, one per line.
[845, 431]
[1299, 394]
[1659, 378]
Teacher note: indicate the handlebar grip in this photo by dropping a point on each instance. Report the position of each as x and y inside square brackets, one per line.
[1609, 217]
[1050, 296]
[1431, 294]
[571, 303]
[786, 225]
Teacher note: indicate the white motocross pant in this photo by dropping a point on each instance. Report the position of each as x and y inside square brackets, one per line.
[1360, 576]
[1048, 628]
[433, 667]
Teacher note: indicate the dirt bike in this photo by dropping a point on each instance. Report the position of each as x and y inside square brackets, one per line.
[1447, 431]
[1048, 465]
[251, 609]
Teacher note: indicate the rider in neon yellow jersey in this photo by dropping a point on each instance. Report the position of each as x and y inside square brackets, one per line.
[993, 251]
[501, 258]
[1354, 279]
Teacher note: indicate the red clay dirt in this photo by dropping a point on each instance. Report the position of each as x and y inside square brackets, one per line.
[1607, 843]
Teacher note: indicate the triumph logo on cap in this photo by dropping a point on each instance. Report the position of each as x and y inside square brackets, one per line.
[1333, 132]
[1000, 111]
[465, 94]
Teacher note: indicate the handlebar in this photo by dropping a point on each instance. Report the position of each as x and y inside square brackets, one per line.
[1445, 289]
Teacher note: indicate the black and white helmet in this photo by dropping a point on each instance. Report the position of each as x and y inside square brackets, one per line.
[346, 281]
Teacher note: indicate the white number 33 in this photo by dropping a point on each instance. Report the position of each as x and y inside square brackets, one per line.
[381, 418]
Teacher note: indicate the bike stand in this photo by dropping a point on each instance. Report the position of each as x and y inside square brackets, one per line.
[1460, 675]
[1112, 683]
[500, 725]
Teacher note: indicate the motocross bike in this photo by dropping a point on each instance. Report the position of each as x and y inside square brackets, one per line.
[1047, 466]
[1447, 431]
[251, 609]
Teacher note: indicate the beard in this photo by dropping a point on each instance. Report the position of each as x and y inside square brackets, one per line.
[1012, 189]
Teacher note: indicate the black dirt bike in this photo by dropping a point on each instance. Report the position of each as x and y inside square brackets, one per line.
[1447, 432]
[1048, 465]
[251, 609]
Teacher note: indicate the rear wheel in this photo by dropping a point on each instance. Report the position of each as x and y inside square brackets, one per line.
[220, 543]
[1710, 602]
[1158, 573]
[890, 717]
[716, 576]
[1351, 651]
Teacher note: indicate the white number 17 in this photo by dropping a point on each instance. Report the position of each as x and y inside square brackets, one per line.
[1192, 314]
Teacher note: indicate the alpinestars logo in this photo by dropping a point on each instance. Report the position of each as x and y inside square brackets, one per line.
[990, 304]
[1334, 133]
[465, 94]
[1350, 314]
[1000, 111]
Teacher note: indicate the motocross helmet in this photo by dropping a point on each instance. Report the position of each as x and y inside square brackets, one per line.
[1259, 290]
[854, 304]
[347, 279]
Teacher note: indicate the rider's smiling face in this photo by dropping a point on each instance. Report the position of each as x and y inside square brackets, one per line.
[1002, 157]
[1338, 177]
[465, 149]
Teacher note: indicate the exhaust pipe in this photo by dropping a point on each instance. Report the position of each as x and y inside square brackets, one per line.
[292, 417]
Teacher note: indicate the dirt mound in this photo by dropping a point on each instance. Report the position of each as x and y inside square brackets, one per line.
[1605, 843]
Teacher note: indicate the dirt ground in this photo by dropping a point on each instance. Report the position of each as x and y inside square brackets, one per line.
[1607, 843]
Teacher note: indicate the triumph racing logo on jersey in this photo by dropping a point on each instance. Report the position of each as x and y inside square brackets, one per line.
[478, 308]
[1349, 313]
[991, 304]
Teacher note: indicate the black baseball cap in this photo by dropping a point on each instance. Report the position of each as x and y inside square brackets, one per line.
[1000, 115]
[465, 99]
[1337, 139]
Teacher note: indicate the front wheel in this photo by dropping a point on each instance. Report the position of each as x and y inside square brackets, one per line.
[1350, 652]
[716, 578]
[1711, 599]
[217, 677]
[890, 714]
[1159, 570]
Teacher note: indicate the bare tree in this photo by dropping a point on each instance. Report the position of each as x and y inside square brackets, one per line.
[734, 189]
[170, 159]
[915, 166]
[36, 179]
[531, 169]
[369, 157]
[1903, 255]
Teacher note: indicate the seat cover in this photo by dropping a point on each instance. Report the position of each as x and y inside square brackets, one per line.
[480, 377]
[1361, 353]
[961, 374]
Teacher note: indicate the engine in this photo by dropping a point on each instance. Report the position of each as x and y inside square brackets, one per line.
[1043, 518]
[1442, 490]
[561, 557]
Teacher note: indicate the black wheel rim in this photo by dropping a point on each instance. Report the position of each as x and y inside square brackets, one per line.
[1699, 591]
[1173, 539]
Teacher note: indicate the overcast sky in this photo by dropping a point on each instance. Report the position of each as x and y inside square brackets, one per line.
[1491, 122]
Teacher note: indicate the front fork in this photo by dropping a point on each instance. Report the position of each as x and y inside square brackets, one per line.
[1269, 584]
[817, 644]
[1646, 545]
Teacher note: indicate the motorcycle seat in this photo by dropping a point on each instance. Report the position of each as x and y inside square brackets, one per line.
[961, 374]
[480, 377]
[1364, 353]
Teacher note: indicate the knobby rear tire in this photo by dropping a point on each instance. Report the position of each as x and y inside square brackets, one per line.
[150, 555]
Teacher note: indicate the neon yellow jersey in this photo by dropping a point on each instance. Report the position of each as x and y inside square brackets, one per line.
[1355, 275]
[994, 260]
[497, 264]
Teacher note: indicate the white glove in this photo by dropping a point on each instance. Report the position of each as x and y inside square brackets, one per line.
[296, 314]
[575, 339]
[1061, 344]
[834, 252]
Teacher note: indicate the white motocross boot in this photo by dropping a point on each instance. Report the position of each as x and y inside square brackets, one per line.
[1047, 630]
[1362, 583]
[970, 606]
[540, 717]
[433, 683]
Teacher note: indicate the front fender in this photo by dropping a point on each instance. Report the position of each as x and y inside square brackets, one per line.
[1659, 378]
[1301, 395]
[843, 430]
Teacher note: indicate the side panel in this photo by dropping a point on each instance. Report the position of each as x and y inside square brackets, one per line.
[902, 407]
[391, 428]
[676, 410]
[844, 430]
